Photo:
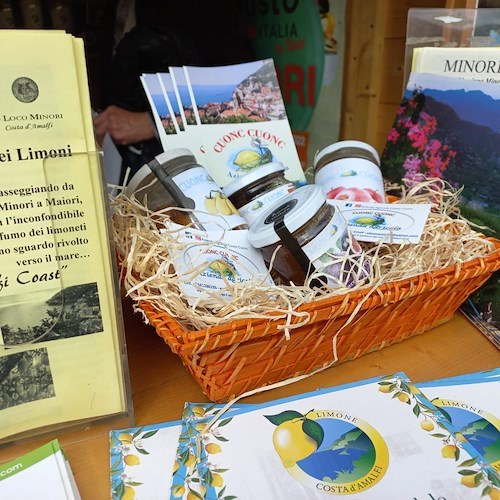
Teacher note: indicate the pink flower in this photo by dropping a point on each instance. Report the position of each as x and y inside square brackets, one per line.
[354, 194]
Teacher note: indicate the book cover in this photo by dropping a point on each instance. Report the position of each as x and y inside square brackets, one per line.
[378, 438]
[242, 119]
[448, 128]
[59, 316]
[41, 471]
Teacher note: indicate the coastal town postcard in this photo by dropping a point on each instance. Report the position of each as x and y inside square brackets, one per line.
[242, 118]
[372, 439]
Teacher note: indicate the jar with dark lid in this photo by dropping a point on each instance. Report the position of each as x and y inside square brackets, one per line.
[190, 186]
[256, 191]
[350, 171]
[312, 236]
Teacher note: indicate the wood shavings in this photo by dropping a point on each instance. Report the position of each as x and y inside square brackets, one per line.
[147, 272]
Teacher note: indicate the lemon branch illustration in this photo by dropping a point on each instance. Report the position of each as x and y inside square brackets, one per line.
[296, 437]
[434, 417]
[123, 448]
[248, 159]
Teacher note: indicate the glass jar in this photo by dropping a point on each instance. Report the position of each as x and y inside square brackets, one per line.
[190, 186]
[350, 171]
[256, 191]
[303, 234]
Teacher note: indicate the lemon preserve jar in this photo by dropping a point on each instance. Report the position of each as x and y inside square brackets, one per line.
[256, 191]
[302, 233]
[350, 171]
[191, 186]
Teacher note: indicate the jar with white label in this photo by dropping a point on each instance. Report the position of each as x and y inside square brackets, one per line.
[256, 191]
[350, 171]
[190, 186]
[301, 234]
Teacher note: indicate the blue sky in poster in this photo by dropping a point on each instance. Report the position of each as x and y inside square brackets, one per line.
[231, 74]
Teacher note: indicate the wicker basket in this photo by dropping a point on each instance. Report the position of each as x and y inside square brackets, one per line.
[230, 359]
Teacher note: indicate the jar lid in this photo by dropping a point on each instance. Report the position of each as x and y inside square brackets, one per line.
[251, 177]
[295, 209]
[141, 178]
[346, 144]
[171, 154]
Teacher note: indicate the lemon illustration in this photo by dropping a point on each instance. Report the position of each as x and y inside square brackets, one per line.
[125, 438]
[469, 481]
[213, 448]
[217, 480]
[218, 203]
[198, 411]
[292, 443]
[449, 451]
[247, 159]
[178, 491]
[403, 397]
[199, 427]
[494, 494]
[427, 425]
[131, 460]
[190, 461]
[176, 467]
[348, 173]
[129, 493]
[385, 388]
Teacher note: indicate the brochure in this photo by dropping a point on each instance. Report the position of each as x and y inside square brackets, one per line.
[60, 323]
[39, 472]
[378, 438]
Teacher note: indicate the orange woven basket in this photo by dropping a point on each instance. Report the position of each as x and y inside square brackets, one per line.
[230, 359]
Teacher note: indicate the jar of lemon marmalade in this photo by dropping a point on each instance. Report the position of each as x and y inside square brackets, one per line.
[350, 171]
[301, 234]
[256, 191]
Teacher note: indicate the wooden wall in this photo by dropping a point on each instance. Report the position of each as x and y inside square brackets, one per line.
[374, 65]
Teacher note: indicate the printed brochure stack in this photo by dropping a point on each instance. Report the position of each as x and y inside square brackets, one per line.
[379, 438]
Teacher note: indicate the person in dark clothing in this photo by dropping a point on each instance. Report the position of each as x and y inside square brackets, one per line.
[193, 33]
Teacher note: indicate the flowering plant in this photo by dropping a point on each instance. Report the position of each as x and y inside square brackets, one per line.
[413, 151]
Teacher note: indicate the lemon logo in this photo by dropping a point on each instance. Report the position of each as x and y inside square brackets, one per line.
[248, 159]
[330, 450]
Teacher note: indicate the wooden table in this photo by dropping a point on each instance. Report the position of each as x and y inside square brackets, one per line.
[161, 385]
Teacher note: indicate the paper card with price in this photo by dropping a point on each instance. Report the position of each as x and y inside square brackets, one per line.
[61, 360]
[379, 438]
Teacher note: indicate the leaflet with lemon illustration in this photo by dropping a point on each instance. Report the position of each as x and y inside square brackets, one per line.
[378, 438]
[468, 404]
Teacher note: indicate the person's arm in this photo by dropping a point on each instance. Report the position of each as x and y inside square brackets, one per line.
[124, 127]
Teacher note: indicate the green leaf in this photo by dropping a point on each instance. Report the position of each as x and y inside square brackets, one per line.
[468, 463]
[225, 422]
[196, 494]
[284, 416]
[494, 478]
[445, 414]
[149, 434]
[406, 387]
[220, 438]
[208, 477]
[385, 383]
[229, 497]
[439, 435]
[220, 470]
[486, 491]
[387, 377]
[120, 490]
[416, 410]
[133, 483]
[141, 451]
[313, 430]
[137, 432]
[467, 472]
[478, 478]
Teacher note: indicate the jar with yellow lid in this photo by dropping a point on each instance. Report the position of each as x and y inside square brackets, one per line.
[301, 234]
[256, 191]
[350, 171]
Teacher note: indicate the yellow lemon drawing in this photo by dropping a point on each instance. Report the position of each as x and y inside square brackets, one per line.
[404, 397]
[468, 481]
[217, 480]
[178, 491]
[494, 494]
[213, 448]
[247, 157]
[198, 411]
[449, 451]
[190, 461]
[131, 459]
[385, 388]
[125, 438]
[427, 425]
[129, 493]
[292, 443]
